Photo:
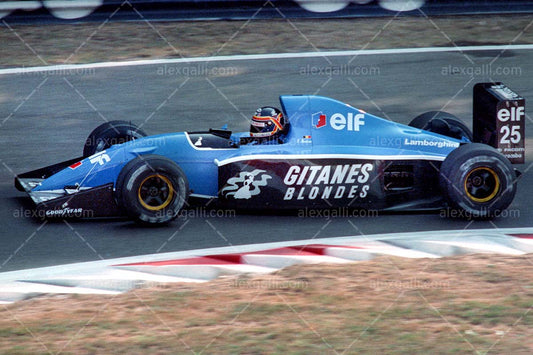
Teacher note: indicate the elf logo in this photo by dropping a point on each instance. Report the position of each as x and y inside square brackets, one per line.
[321, 121]
[339, 122]
[515, 114]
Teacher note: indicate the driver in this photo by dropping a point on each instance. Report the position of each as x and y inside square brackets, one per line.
[268, 126]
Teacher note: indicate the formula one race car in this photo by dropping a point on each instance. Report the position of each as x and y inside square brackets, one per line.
[331, 155]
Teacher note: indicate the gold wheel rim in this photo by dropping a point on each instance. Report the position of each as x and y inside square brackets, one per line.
[155, 192]
[480, 182]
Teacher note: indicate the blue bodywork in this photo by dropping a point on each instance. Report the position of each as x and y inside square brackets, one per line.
[375, 137]
[320, 128]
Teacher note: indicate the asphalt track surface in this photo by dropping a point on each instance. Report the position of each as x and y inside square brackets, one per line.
[45, 118]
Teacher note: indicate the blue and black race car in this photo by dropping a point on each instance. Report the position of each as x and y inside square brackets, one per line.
[330, 155]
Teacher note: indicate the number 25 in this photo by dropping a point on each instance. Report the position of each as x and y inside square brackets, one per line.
[510, 135]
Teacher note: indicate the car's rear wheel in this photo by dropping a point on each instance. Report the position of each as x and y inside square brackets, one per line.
[152, 189]
[477, 180]
[111, 133]
[443, 123]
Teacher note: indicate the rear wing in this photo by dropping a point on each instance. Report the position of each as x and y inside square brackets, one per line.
[499, 120]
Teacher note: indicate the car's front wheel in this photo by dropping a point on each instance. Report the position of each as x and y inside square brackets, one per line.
[152, 189]
[110, 133]
[478, 181]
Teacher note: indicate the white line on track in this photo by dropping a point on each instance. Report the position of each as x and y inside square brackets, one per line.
[113, 276]
[64, 67]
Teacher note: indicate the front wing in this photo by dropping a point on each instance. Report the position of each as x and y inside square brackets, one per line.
[68, 202]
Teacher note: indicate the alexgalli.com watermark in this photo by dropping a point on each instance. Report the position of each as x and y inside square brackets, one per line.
[410, 284]
[392, 142]
[482, 213]
[485, 70]
[199, 213]
[270, 284]
[63, 212]
[159, 141]
[341, 212]
[340, 70]
[199, 70]
[122, 285]
[59, 71]
[203, 213]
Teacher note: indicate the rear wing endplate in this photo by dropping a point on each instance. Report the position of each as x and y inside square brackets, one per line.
[499, 120]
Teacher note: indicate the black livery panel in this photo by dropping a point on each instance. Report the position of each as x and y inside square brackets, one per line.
[326, 183]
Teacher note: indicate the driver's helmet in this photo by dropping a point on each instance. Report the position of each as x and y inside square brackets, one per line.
[267, 122]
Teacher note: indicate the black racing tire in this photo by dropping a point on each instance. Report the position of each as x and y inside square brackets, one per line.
[477, 181]
[443, 123]
[152, 189]
[111, 133]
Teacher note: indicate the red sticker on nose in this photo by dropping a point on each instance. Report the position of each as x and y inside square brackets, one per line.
[75, 165]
